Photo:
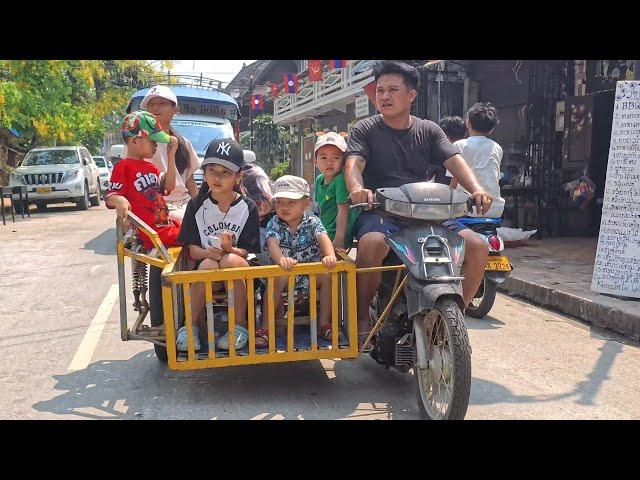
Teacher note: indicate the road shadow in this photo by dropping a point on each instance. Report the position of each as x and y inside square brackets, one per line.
[143, 388]
[103, 244]
[486, 323]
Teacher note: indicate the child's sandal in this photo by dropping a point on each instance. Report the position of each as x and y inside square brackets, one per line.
[325, 331]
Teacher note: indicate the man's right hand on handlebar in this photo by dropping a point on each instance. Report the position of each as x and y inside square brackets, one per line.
[482, 201]
[362, 195]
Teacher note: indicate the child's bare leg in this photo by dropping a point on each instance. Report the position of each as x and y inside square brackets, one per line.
[197, 291]
[239, 288]
[324, 284]
[280, 284]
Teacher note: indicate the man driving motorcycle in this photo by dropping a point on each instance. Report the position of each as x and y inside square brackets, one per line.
[391, 149]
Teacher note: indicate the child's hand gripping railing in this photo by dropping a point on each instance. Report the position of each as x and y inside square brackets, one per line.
[161, 259]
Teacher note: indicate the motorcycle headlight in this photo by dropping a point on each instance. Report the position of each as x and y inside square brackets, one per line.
[71, 174]
[402, 209]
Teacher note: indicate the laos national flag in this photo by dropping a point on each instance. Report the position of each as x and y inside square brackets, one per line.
[337, 63]
[290, 83]
[257, 103]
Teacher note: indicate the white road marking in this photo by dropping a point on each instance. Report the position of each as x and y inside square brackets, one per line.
[90, 341]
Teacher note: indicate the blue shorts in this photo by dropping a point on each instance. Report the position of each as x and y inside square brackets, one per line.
[374, 222]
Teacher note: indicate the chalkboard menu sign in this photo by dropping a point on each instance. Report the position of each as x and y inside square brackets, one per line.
[617, 266]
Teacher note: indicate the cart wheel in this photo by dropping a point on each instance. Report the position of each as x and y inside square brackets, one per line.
[155, 304]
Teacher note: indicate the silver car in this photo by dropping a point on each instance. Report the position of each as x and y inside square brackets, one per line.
[59, 174]
[105, 167]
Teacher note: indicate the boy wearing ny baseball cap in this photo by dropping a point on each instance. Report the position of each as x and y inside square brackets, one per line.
[331, 190]
[294, 235]
[220, 229]
[137, 185]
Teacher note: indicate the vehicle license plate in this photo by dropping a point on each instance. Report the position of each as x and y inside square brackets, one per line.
[500, 264]
[46, 189]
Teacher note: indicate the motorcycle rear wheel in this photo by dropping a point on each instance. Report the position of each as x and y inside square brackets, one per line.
[444, 386]
[481, 305]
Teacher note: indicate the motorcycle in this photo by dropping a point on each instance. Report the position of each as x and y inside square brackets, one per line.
[417, 311]
[497, 269]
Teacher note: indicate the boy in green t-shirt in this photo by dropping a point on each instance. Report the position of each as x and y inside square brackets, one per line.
[331, 190]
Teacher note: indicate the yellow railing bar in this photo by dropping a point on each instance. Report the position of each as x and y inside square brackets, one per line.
[385, 313]
[151, 233]
[208, 295]
[380, 269]
[335, 325]
[290, 313]
[272, 315]
[268, 271]
[251, 317]
[156, 262]
[169, 330]
[353, 311]
[313, 312]
[232, 318]
[261, 359]
[186, 289]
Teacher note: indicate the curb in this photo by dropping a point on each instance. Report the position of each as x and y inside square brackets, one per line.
[588, 311]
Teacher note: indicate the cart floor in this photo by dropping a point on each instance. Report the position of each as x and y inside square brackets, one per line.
[301, 342]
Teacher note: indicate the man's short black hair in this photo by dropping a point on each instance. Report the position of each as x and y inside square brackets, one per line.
[453, 128]
[483, 117]
[409, 74]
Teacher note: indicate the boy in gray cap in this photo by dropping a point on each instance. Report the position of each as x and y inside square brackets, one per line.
[294, 235]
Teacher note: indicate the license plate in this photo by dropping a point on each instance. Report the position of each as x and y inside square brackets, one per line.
[43, 189]
[500, 264]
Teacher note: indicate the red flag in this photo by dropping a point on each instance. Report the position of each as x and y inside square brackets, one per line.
[315, 70]
[257, 103]
[274, 90]
[370, 90]
[337, 63]
[290, 83]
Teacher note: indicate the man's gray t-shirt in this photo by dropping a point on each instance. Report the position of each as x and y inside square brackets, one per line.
[395, 157]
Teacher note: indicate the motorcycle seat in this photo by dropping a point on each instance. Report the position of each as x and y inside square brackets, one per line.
[479, 221]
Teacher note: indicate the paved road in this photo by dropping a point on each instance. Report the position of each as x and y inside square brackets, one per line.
[58, 272]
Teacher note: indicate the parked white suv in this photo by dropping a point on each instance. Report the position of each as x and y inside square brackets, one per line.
[58, 174]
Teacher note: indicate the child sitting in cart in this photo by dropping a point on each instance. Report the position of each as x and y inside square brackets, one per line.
[221, 227]
[294, 235]
[332, 195]
[137, 185]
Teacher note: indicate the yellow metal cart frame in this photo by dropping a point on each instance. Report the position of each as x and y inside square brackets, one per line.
[176, 299]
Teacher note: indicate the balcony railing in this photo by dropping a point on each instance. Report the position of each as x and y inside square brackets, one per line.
[336, 84]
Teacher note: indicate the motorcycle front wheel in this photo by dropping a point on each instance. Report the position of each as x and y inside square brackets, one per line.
[484, 299]
[443, 382]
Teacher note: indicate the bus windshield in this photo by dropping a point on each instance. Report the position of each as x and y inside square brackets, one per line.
[200, 134]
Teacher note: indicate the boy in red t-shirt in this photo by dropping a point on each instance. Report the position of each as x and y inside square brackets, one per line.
[136, 184]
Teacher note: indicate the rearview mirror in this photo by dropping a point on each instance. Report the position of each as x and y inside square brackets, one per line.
[84, 162]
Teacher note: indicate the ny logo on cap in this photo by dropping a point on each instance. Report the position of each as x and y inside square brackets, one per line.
[223, 148]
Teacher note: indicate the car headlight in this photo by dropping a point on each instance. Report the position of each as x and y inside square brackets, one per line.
[71, 174]
[16, 177]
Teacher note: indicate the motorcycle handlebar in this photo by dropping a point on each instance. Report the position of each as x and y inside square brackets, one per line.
[365, 204]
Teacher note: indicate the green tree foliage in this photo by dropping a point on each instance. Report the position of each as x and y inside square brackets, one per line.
[270, 142]
[67, 102]
[279, 170]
